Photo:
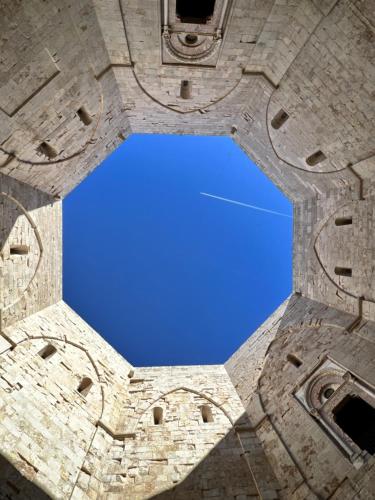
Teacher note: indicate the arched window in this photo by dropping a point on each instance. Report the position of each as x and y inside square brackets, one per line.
[85, 386]
[206, 414]
[158, 415]
[47, 352]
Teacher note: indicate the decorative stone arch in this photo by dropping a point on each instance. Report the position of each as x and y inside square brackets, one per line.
[273, 112]
[81, 348]
[191, 108]
[321, 393]
[355, 285]
[176, 389]
[45, 147]
[300, 128]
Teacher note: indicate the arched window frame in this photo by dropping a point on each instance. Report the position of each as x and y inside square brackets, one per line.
[312, 395]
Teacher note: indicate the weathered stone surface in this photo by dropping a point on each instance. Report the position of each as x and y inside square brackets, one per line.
[293, 83]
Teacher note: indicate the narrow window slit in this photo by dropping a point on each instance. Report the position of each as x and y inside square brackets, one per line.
[47, 352]
[186, 89]
[19, 250]
[343, 221]
[316, 158]
[279, 119]
[85, 386]
[294, 360]
[84, 116]
[158, 415]
[343, 271]
[47, 150]
[206, 414]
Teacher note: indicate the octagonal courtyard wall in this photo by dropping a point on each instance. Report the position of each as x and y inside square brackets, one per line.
[293, 85]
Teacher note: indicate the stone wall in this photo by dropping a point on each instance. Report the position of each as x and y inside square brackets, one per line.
[181, 454]
[30, 250]
[293, 83]
[105, 442]
[310, 59]
[303, 454]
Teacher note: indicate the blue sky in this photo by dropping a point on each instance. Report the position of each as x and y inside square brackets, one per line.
[167, 275]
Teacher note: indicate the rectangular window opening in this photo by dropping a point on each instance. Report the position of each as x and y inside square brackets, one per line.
[294, 360]
[19, 250]
[343, 271]
[356, 418]
[343, 221]
[47, 150]
[316, 158]
[195, 11]
[186, 89]
[279, 120]
[84, 116]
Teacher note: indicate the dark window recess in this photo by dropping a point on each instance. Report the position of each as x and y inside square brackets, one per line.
[85, 386]
[19, 250]
[195, 11]
[206, 414]
[47, 352]
[84, 116]
[316, 158]
[279, 120]
[185, 90]
[294, 360]
[13, 487]
[357, 419]
[47, 150]
[343, 221]
[191, 39]
[343, 271]
[327, 393]
[158, 416]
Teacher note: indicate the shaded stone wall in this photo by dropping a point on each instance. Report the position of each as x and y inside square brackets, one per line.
[30, 250]
[306, 458]
[106, 442]
[145, 459]
[293, 84]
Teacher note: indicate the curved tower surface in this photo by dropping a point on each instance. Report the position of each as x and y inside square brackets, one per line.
[291, 414]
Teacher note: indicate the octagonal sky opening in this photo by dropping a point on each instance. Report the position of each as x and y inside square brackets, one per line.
[176, 248]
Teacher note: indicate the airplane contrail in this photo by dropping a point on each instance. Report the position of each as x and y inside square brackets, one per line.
[246, 205]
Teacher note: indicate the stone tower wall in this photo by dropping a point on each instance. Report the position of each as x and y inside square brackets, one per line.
[292, 82]
[297, 344]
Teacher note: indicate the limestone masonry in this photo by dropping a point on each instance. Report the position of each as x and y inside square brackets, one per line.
[291, 415]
